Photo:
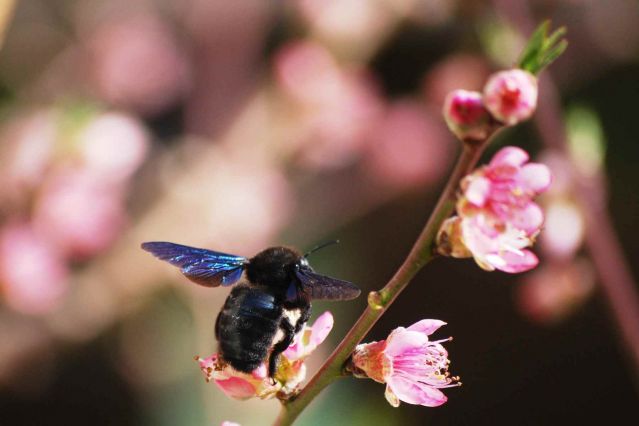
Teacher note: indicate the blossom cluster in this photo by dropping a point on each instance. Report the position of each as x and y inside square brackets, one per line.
[497, 218]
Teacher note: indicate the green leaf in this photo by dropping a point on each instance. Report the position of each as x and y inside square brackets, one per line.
[542, 49]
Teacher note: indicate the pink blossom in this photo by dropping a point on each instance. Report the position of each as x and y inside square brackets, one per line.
[135, 62]
[291, 369]
[554, 291]
[564, 228]
[466, 115]
[33, 274]
[495, 245]
[28, 146]
[307, 340]
[335, 104]
[307, 71]
[505, 188]
[497, 218]
[345, 21]
[79, 213]
[451, 73]
[236, 384]
[112, 146]
[413, 367]
[408, 147]
[511, 96]
[227, 423]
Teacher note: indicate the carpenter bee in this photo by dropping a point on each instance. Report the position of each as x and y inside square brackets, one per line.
[269, 305]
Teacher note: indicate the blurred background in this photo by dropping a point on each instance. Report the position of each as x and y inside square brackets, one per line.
[241, 125]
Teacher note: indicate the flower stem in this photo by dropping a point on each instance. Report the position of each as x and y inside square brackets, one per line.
[421, 253]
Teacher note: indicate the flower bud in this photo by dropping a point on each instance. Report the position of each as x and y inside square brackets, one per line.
[511, 96]
[466, 115]
[450, 240]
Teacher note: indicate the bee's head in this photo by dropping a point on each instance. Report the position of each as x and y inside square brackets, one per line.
[274, 267]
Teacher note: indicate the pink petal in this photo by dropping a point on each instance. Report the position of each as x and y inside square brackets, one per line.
[296, 350]
[478, 236]
[260, 372]
[321, 328]
[402, 340]
[515, 263]
[414, 392]
[426, 326]
[509, 156]
[477, 190]
[391, 397]
[529, 218]
[236, 387]
[536, 177]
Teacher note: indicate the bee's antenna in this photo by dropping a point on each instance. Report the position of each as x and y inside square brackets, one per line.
[321, 246]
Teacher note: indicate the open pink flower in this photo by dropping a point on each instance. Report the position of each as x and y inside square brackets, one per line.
[291, 370]
[497, 218]
[236, 384]
[511, 96]
[505, 188]
[413, 367]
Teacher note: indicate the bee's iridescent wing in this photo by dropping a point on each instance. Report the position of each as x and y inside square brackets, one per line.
[205, 267]
[321, 287]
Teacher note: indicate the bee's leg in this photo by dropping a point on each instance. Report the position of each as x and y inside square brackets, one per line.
[305, 314]
[279, 347]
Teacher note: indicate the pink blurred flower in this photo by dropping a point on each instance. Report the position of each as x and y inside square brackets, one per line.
[344, 21]
[511, 96]
[408, 147]
[556, 290]
[227, 423]
[28, 145]
[112, 146]
[337, 131]
[136, 63]
[290, 372]
[33, 275]
[497, 218]
[564, 228]
[79, 213]
[466, 115]
[456, 71]
[335, 104]
[413, 367]
[308, 72]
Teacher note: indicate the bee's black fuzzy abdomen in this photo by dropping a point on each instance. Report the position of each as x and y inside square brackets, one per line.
[246, 327]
